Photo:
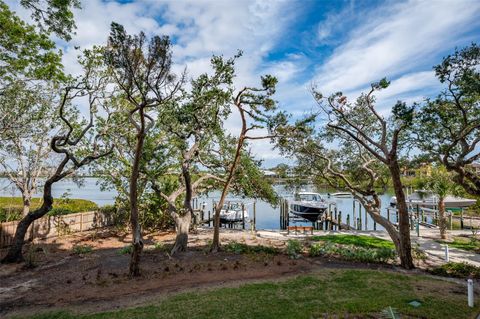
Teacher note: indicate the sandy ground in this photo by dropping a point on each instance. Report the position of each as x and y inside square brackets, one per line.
[98, 281]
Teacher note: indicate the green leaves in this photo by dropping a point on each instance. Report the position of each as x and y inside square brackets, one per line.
[26, 53]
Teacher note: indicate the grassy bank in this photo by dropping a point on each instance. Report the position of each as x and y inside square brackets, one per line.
[465, 243]
[330, 293]
[356, 240]
[11, 207]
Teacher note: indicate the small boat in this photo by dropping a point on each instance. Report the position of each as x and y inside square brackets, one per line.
[341, 195]
[232, 212]
[308, 206]
[428, 199]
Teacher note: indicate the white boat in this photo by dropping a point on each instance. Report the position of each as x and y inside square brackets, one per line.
[341, 195]
[308, 205]
[232, 212]
[428, 199]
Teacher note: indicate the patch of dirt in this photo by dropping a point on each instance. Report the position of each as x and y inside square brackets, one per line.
[98, 281]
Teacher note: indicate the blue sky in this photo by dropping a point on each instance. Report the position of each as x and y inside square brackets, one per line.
[337, 45]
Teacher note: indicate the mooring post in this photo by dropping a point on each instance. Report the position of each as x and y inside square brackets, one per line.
[366, 220]
[348, 220]
[470, 292]
[360, 217]
[243, 216]
[354, 215]
[255, 215]
[461, 219]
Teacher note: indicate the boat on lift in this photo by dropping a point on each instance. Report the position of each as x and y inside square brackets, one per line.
[308, 205]
[233, 212]
[425, 198]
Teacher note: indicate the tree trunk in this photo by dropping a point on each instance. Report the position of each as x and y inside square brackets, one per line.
[26, 205]
[137, 242]
[216, 229]
[14, 254]
[442, 223]
[389, 227]
[405, 251]
[182, 227]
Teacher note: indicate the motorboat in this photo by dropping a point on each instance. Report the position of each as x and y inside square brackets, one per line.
[308, 205]
[233, 212]
[425, 198]
[341, 195]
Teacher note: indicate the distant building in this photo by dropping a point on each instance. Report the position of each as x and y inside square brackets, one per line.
[269, 173]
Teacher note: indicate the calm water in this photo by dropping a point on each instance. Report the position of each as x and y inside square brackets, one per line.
[267, 217]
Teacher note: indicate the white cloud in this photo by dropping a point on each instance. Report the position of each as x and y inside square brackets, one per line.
[396, 39]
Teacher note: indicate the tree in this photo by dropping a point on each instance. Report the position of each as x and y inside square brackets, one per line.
[350, 166]
[53, 16]
[77, 146]
[448, 127]
[440, 182]
[382, 138]
[141, 72]
[192, 125]
[257, 111]
[25, 150]
[25, 54]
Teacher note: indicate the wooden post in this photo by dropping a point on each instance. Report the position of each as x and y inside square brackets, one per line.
[360, 217]
[331, 219]
[354, 216]
[348, 220]
[461, 219]
[374, 225]
[209, 219]
[243, 216]
[339, 220]
[255, 215]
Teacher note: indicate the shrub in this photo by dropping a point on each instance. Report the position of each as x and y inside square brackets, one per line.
[8, 215]
[82, 249]
[459, 270]
[125, 250]
[239, 248]
[294, 248]
[354, 253]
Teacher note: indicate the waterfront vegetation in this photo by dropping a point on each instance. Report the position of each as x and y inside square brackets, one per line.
[330, 293]
[11, 207]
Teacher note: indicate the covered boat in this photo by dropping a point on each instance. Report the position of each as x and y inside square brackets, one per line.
[341, 195]
[308, 205]
[233, 212]
[428, 199]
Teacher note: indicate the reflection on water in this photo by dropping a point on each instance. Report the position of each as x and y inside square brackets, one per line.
[267, 217]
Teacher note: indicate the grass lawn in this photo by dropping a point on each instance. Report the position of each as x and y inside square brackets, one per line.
[356, 240]
[463, 243]
[11, 207]
[343, 292]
